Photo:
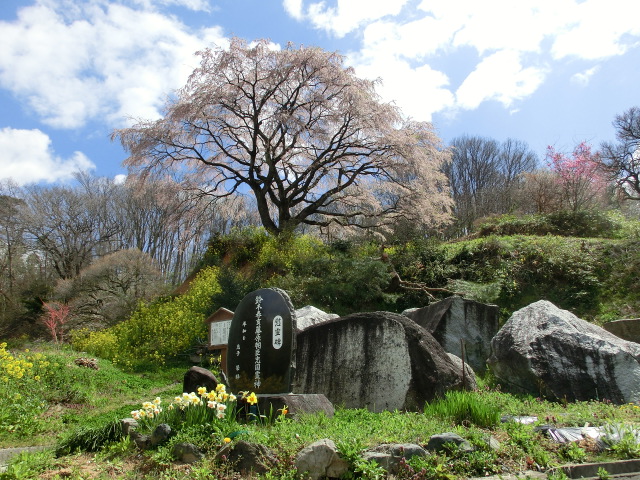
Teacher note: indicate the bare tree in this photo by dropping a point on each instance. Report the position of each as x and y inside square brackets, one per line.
[70, 226]
[173, 226]
[540, 193]
[11, 241]
[485, 175]
[299, 132]
[515, 160]
[622, 160]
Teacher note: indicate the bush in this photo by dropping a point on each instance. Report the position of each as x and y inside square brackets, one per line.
[156, 332]
[342, 277]
[583, 223]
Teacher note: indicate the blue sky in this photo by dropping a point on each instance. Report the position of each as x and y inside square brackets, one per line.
[547, 72]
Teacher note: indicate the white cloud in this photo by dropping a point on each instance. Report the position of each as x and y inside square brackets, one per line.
[419, 92]
[500, 77]
[26, 157]
[583, 78]
[346, 16]
[70, 61]
[517, 43]
[599, 29]
[195, 5]
[293, 8]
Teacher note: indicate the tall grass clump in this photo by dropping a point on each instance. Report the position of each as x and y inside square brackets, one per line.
[155, 332]
[90, 438]
[464, 408]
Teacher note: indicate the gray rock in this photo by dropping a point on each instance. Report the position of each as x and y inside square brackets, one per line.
[187, 452]
[456, 318]
[160, 434]
[439, 443]
[128, 425]
[248, 458]
[378, 360]
[389, 455]
[310, 316]
[199, 377]
[545, 350]
[319, 460]
[493, 443]
[470, 382]
[627, 329]
[143, 442]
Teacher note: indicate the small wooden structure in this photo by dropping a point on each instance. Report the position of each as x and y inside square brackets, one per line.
[219, 323]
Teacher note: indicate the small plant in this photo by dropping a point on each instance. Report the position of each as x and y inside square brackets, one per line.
[623, 441]
[557, 474]
[368, 470]
[573, 453]
[217, 409]
[27, 465]
[432, 467]
[627, 447]
[603, 474]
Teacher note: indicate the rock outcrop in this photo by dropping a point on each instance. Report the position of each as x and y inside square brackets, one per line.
[457, 319]
[379, 360]
[545, 350]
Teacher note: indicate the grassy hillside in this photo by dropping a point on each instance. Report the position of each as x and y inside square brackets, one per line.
[584, 262]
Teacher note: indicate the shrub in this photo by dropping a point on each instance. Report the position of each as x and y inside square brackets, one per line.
[582, 223]
[158, 331]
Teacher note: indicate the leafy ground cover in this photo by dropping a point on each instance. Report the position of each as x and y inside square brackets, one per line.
[51, 398]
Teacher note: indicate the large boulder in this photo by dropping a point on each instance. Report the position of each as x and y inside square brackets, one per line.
[380, 361]
[457, 319]
[543, 349]
[310, 316]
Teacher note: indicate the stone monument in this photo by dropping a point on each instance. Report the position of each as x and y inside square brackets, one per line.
[262, 352]
[262, 343]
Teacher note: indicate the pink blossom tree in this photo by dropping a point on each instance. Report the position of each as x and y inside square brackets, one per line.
[582, 180]
[55, 316]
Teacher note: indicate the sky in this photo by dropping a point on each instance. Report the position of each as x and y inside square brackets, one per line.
[545, 72]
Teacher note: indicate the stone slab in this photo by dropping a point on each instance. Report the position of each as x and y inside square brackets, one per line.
[296, 403]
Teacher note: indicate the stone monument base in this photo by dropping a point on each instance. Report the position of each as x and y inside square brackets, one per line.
[296, 403]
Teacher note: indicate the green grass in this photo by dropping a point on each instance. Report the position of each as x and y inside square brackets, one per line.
[464, 408]
[86, 430]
